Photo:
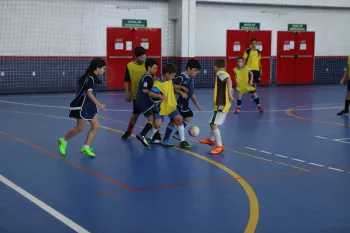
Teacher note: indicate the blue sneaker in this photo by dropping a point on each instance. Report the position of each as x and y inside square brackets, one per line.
[167, 142]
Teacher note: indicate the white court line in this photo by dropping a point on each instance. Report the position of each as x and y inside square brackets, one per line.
[320, 137]
[44, 206]
[24, 96]
[299, 160]
[342, 140]
[281, 156]
[335, 169]
[250, 148]
[125, 110]
[266, 152]
[315, 164]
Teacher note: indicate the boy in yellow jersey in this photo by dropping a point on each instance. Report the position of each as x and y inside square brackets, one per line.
[244, 84]
[163, 94]
[252, 58]
[223, 96]
[133, 74]
[347, 99]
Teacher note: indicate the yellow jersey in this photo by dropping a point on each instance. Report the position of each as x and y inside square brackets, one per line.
[221, 96]
[243, 77]
[253, 60]
[165, 88]
[135, 72]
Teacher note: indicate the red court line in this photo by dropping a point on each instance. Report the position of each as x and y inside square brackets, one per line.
[92, 172]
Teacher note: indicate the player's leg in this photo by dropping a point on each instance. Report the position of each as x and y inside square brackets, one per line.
[150, 120]
[239, 103]
[94, 126]
[62, 142]
[211, 139]
[257, 101]
[347, 102]
[158, 120]
[177, 118]
[220, 119]
[256, 79]
[132, 122]
[168, 131]
[187, 116]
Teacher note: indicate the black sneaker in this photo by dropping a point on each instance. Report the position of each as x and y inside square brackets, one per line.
[142, 139]
[342, 113]
[126, 135]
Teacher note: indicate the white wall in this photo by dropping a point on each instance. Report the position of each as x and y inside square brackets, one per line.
[331, 26]
[74, 27]
[322, 3]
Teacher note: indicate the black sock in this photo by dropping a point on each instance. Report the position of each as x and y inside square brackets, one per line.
[347, 103]
[257, 100]
[146, 129]
[239, 103]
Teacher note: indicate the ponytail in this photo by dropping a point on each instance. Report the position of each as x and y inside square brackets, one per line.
[95, 63]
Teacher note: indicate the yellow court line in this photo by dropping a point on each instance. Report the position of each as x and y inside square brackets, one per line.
[290, 110]
[234, 151]
[253, 201]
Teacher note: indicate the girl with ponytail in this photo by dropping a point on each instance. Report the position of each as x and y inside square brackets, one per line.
[84, 107]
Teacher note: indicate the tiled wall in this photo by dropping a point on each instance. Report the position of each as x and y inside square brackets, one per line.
[55, 74]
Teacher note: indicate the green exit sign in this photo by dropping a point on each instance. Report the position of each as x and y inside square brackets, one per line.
[249, 26]
[134, 23]
[297, 27]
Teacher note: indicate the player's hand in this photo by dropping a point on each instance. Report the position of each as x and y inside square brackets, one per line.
[163, 98]
[232, 99]
[199, 108]
[261, 73]
[237, 84]
[101, 106]
[251, 83]
[128, 97]
[184, 95]
[185, 89]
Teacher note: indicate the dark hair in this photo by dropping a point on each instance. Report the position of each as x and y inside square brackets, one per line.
[94, 64]
[240, 58]
[252, 40]
[220, 63]
[169, 68]
[150, 63]
[193, 64]
[139, 51]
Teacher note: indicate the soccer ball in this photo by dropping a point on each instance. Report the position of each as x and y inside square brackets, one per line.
[193, 131]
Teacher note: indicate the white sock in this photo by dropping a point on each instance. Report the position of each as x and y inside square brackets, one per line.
[181, 130]
[85, 146]
[64, 140]
[212, 135]
[217, 136]
[152, 132]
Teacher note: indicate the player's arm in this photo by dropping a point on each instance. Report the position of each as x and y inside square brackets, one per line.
[345, 74]
[236, 79]
[155, 93]
[147, 85]
[89, 87]
[260, 66]
[195, 101]
[245, 56]
[127, 86]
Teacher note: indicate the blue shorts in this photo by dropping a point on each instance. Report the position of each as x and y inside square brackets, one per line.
[171, 115]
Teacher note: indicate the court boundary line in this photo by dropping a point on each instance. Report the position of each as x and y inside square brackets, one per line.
[290, 113]
[252, 198]
[68, 222]
[128, 110]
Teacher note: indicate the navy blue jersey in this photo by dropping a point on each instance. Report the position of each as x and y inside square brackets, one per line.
[82, 106]
[187, 82]
[144, 101]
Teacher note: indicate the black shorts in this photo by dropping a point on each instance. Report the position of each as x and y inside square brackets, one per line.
[348, 84]
[185, 112]
[135, 110]
[256, 78]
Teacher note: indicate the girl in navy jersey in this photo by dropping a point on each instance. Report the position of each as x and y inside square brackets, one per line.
[84, 107]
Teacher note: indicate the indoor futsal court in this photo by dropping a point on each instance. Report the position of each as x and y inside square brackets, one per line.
[284, 171]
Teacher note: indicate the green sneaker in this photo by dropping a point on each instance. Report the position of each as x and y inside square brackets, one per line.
[87, 151]
[62, 145]
[185, 144]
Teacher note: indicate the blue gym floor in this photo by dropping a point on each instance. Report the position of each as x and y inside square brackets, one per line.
[287, 170]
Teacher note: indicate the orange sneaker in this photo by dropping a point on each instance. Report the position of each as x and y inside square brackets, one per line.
[207, 141]
[217, 150]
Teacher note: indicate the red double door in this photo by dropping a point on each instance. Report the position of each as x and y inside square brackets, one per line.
[121, 43]
[295, 57]
[238, 41]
